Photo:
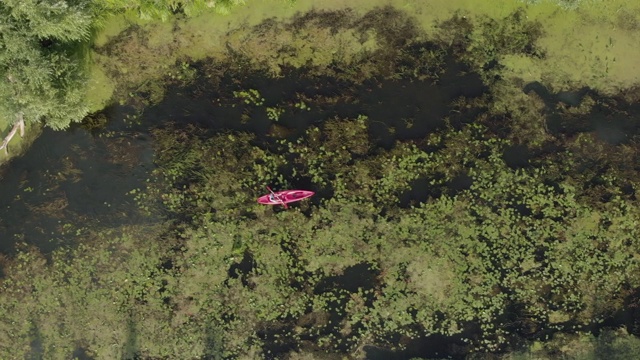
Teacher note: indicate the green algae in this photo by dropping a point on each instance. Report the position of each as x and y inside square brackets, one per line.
[100, 89]
[583, 47]
[111, 27]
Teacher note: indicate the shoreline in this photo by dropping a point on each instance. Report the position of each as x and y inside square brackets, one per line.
[591, 46]
[594, 45]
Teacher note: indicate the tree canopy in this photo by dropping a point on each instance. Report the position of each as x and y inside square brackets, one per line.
[42, 52]
[41, 75]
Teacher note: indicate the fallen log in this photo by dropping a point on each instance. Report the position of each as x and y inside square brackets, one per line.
[18, 125]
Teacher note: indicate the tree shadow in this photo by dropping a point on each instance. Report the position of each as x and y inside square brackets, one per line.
[212, 343]
[36, 351]
[131, 348]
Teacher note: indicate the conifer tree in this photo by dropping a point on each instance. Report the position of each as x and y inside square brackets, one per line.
[41, 76]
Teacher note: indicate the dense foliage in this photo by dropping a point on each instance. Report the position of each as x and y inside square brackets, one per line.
[40, 66]
[516, 250]
[43, 52]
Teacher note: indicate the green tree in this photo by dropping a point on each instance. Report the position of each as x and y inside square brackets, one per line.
[41, 73]
[42, 62]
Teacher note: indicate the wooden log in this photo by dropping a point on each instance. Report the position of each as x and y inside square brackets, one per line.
[18, 125]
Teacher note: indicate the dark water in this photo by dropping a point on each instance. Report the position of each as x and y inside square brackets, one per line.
[72, 179]
[69, 180]
[612, 120]
[397, 109]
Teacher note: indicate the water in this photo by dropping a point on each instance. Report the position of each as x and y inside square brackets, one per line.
[611, 120]
[71, 180]
[397, 109]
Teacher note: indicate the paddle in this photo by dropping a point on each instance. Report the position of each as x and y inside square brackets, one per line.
[277, 197]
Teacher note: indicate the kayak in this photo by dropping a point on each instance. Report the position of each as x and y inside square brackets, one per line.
[284, 197]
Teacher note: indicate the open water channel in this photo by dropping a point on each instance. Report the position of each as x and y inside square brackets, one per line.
[80, 179]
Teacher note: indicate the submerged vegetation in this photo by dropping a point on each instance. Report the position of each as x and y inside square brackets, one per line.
[458, 212]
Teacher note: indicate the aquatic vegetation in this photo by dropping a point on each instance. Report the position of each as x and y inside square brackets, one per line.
[422, 226]
[301, 105]
[274, 113]
[184, 73]
[525, 238]
[94, 122]
[249, 97]
[485, 42]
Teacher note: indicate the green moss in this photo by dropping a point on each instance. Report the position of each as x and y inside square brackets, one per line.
[100, 88]
[110, 28]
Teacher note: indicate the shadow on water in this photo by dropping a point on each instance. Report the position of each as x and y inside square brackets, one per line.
[397, 109]
[68, 179]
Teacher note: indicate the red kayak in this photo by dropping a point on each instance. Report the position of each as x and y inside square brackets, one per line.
[284, 197]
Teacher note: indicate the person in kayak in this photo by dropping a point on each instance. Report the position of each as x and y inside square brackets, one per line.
[274, 198]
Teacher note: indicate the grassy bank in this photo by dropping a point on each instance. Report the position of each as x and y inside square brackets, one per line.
[593, 44]
[582, 43]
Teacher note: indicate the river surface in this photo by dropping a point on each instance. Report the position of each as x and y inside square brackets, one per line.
[74, 182]
[71, 181]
